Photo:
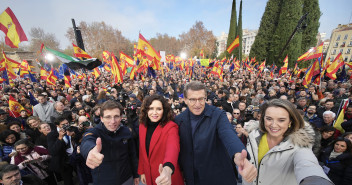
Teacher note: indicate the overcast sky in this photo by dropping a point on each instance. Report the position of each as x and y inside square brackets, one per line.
[154, 16]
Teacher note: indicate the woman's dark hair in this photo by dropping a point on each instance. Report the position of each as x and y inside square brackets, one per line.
[296, 119]
[26, 142]
[101, 95]
[348, 144]
[168, 114]
[13, 123]
[6, 133]
[327, 128]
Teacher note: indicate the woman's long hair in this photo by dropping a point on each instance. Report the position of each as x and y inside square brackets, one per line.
[168, 114]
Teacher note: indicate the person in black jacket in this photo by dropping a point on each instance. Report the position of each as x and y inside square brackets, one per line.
[10, 175]
[60, 147]
[109, 149]
[337, 162]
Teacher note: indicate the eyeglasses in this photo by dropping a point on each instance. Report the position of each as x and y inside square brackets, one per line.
[194, 100]
[109, 118]
[236, 113]
[22, 149]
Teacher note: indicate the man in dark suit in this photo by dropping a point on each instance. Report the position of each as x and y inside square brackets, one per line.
[60, 147]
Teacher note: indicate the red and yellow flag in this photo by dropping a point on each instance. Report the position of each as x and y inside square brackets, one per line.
[147, 49]
[51, 78]
[43, 73]
[80, 53]
[234, 44]
[116, 70]
[67, 80]
[96, 72]
[128, 60]
[312, 53]
[334, 67]
[12, 29]
[283, 69]
[15, 107]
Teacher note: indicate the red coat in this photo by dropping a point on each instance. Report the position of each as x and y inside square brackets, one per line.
[164, 147]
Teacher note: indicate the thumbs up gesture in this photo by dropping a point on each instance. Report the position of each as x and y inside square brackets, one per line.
[165, 175]
[245, 168]
[95, 158]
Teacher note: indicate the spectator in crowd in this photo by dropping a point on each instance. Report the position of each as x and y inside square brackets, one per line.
[16, 126]
[337, 161]
[10, 175]
[311, 116]
[328, 106]
[7, 141]
[30, 159]
[347, 122]
[158, 155]
[45, 129]
[58, 111]
[44, 109]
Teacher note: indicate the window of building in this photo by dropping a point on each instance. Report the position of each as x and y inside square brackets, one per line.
[343, 44]
[341, 50]
[333, 52]
[350, 43]
[336, 44]
[348, 51]
[346, 59]
[332, 59]
[346, 36]
[338, 37]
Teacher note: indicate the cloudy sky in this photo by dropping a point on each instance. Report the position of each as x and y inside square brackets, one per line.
[154, 16]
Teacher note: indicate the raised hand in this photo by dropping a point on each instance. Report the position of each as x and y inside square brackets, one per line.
[245, 168]
[165, 175]
[95, 158]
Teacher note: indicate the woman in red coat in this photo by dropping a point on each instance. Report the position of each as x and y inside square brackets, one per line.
[159, 143]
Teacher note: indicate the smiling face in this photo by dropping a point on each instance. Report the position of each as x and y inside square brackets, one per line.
[340, 146]
[155, 111]
[111, 119]
[195, 101]
[276, 121]
[45, 129]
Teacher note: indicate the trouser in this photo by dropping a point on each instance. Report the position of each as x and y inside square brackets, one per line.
[66, 173]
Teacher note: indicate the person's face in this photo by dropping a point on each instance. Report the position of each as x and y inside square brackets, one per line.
[276, 121]
[282, 89]
[41, 99]
[155, 111]
[303, 94]
[3, 116]
[10, 138]
[349, 136]
[238, 128]
[329, 105]
[229, 117]
[11, 178]
[302, 102]
[236, 114]
[326, 135]
[312, 110]
[82, 112]
[242, 106]
[349, 111]
[22, 148]
[111, 119]
[196, 101]
[63, 123]
[15, 128]
[78, 104]
[33, 123]
[340, 146]
[60, 106]
[328, 118]
[45, 129]
[53, 93]
[23, 114]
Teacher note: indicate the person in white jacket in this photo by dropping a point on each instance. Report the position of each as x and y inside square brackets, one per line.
[280, 147]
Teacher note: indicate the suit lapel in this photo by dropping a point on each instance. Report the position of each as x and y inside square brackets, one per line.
[155, 138]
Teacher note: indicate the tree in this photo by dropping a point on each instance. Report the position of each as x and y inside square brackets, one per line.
[291, 12]
[170, 45]
[309, 34]
[196, 39]
[98, 37]
[239, 32]
[268, 24]
[38, 36]
[233, 29]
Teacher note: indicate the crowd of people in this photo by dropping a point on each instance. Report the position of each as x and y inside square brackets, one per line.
[177, 129]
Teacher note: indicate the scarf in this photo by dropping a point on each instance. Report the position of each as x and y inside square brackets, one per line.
[19, 157]
[334, 154]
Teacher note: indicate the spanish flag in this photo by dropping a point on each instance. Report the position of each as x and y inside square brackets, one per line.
[147, 49]
[51, 78]
[12, 29]
[233, 45]
[80, 53]
[283, 69]
[129, 61]
[15, 107]
[67, 80]
[341, 115]
[334, 67]
[43, 73]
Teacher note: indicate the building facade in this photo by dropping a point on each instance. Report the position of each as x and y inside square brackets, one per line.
[341, 42]
[247, 41]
